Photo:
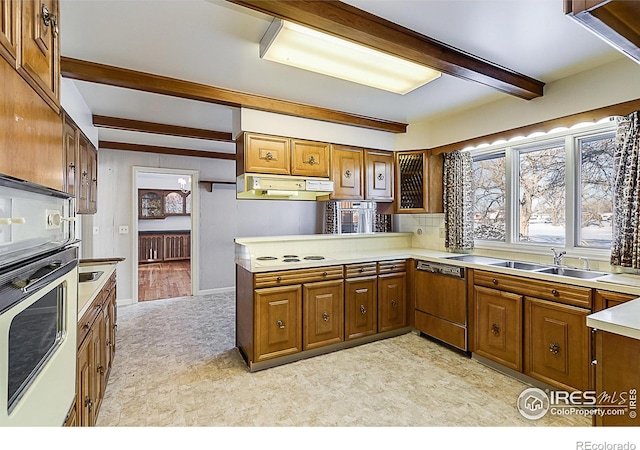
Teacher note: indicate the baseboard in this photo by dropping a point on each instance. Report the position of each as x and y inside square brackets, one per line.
[223, 290]
[125, 302]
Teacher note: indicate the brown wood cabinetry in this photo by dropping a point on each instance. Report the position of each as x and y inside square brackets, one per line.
[347, 164]
[361, 311]
[379, 171]
[70, 135]
[278, 321]
[266, 154]
[323, 313]
[607, 299]
[9, 30]
[418, 182]
[156, 246]
[96, 349]
[557, 344]
[162, 203]
[617, 369]
[309, 158]
[392, 301]
[40, 49]
[498, 326]
[80, 162]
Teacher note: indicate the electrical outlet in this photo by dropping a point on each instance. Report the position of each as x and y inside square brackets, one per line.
[123, 229]
[442, 233]
[96, 229]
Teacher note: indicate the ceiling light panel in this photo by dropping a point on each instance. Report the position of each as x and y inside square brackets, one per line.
[298, 46]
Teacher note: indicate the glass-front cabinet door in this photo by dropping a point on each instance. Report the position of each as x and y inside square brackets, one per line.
[174, 204]
[150, 204]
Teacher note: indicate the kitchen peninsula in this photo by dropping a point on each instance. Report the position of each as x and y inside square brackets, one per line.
[299, 296]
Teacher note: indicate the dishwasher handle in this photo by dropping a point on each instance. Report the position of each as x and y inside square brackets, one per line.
[440, 269]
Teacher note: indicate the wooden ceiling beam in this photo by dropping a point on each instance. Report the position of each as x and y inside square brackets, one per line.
[111, 145]
[355, 25]
[116, 123]
[116, 76]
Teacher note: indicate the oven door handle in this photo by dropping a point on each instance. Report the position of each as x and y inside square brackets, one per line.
[37, 283]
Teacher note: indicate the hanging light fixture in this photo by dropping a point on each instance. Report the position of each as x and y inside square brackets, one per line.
[185, 185]
[299, 46]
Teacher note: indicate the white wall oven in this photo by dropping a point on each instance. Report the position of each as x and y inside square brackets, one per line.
[38, 304]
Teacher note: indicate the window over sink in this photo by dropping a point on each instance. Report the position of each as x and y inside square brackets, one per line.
[547, 190]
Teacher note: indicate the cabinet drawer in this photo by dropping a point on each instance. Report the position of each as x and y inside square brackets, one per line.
[398, 265]
[285, 277]
[360, 270]
[89, 317]
[443, 330]
[557, 292]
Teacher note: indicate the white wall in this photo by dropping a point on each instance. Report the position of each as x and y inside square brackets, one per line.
[605, 85]
[222, 217]
[77, 108]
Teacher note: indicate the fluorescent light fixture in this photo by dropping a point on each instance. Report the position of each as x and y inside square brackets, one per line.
[298, 46]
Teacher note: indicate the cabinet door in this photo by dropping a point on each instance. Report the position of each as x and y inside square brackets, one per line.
[150, 204]
[92, 163]
[9, 30]
[606, 299]
[498, 326]
[411, 179]
[557, 344]
[379, 175]
[346, 172]
[310, 159]
[361, 312]
[278, 321]
[39, 62]
[267, 154]
[323, 313]
[99, 357]
[82, 199]
[150, 248]
[106, 341]
[174, 204]
[176, 247]
[70, 136]
[85, 399]
[392, 301]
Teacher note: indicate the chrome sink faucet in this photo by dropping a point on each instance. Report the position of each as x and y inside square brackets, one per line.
[557, 257]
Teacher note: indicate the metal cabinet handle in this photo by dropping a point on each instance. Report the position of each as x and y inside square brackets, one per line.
[495, 329]
[312, 160]
[279, 279]
[347, 174]
[494, 281]
[325, 274]
[72, 166]
[100, 369]
[362, 269]
[50, 20]
[89, 403]
[269, 156]
[380, 176]
[325, 316]
[554, 348]
[394, 304]
[280, 324]
[363, 310]
[555, 292]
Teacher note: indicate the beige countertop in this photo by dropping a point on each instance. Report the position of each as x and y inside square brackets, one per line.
[88, 290]
[623, 319]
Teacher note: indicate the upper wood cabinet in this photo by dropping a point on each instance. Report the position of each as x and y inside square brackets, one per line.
[80, 167]
[9, 30]
[310, 158]
[266, 154]
[347, 172]
[379, 175]
[161, 203]
[70, 149]
[419, 182]
[39, 61]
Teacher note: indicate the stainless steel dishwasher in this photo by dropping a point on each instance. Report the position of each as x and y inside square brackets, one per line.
[441, 302]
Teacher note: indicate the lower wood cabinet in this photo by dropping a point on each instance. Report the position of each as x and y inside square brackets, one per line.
[170, 246]
[323, 313]
[607, 299]
[278, 321]
[96, 349]
[498, 326]
[361, 311]
[392, 304]
[557, 344]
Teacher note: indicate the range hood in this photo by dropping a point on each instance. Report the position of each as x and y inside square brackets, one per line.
[282, 187]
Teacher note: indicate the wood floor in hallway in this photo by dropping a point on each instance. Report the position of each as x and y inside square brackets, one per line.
[161, 280]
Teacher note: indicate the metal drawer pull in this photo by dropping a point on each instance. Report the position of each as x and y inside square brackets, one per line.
[380, 176]
[362, 269]
[312, 161]
[325, 316]
[554, 348]
[347, 174]
[555, 292]
[394, 304]
[280, 324]
[494, 281]
[269, 156]
[325, 274]
[495, 329]
[279, 279]
[363, 310]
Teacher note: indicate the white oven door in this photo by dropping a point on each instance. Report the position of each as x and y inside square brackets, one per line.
[38, 342]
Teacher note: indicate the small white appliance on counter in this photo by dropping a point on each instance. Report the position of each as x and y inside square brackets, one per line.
[38, 304]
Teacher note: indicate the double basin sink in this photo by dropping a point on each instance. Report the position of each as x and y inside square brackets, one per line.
[531, 267]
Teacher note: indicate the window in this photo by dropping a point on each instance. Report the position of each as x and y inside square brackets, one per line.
[554, 190]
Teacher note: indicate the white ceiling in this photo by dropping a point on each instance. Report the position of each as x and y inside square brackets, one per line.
[217, 43]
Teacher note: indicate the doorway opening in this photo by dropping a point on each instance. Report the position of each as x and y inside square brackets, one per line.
[165, 260]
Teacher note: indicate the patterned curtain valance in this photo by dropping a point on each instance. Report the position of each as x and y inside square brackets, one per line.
[458, 200]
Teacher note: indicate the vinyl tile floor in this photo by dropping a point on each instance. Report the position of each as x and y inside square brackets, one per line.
[176, 366]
